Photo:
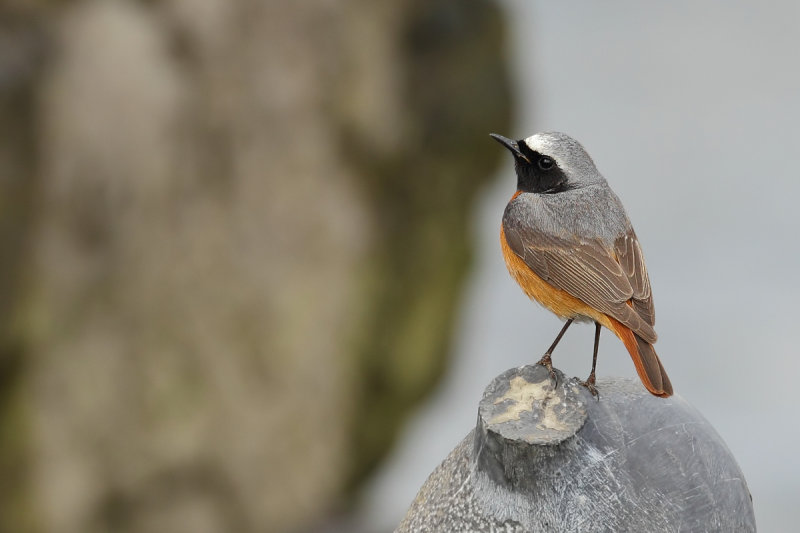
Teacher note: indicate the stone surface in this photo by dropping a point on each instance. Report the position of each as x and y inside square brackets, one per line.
[628, 462]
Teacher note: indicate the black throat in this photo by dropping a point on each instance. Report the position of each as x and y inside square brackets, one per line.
[533, 176]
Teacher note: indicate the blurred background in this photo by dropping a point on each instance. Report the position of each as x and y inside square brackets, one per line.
[251, 279]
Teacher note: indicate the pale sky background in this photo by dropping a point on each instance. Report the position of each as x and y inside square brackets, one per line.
[691, 111]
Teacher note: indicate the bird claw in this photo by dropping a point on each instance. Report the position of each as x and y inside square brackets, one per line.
[547, 362]
[590, 385]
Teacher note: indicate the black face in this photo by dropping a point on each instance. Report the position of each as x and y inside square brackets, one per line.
[539, 174]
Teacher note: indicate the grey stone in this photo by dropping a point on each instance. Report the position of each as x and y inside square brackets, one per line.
[553, 458]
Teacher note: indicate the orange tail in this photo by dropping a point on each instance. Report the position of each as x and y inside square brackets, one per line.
[648, 366]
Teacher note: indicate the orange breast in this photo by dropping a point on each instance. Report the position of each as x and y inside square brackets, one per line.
[556, 300]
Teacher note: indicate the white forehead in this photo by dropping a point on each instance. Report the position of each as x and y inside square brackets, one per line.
[553, 143]
[568, 153]
[564, 149]
[541, 142]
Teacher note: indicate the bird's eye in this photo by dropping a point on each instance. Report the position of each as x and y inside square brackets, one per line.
[545, 163]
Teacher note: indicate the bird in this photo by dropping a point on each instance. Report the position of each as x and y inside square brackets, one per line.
[567, 241]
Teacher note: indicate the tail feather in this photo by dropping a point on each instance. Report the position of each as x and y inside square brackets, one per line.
[647, 363]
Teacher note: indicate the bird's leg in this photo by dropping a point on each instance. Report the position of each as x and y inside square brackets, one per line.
[546, 361]
[589, 383]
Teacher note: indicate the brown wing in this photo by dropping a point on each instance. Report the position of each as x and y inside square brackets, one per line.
[617, 286]
[631, 259]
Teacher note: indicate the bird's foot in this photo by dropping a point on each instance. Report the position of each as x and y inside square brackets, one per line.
[546, 362]
[589, 384]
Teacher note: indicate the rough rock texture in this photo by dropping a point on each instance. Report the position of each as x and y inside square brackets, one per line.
[554, 459]
[230, 229]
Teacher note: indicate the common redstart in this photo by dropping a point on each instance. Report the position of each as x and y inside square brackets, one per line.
[567, 241]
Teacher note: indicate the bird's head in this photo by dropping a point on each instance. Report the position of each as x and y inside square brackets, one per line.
[550, 163]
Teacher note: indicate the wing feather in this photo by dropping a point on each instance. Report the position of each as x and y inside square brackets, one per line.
[631, 259]
[612, 281]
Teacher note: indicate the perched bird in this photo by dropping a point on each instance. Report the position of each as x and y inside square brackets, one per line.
[567, 241]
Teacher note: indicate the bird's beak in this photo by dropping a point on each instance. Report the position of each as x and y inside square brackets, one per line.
[508, 143]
